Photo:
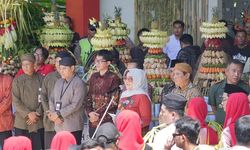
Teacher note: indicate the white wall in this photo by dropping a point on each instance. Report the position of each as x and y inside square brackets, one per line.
[128, 12]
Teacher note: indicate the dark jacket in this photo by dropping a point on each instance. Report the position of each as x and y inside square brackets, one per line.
[139, 52]
[189, 55]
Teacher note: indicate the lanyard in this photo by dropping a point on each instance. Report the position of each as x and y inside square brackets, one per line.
[63, 91]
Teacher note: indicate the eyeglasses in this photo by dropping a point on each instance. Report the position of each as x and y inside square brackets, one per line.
[176, 134]
[100, 61]
[128, 78]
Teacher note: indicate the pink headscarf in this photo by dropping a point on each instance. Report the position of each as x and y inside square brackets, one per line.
[197, 109]
[237, 106]
[17, 143]
[62, 141]
[129, 124]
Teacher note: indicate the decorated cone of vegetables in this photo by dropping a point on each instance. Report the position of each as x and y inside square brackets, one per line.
[103, 38]
[120, 33]
[213, 59]
[155, 61]
[55, 34]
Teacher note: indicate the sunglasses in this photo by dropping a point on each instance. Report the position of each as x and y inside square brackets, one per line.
[176, 134]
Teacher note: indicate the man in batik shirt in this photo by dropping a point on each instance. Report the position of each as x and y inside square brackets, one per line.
[102, 86]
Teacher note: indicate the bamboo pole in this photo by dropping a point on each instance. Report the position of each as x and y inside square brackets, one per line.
[136, 19]
[193, 18]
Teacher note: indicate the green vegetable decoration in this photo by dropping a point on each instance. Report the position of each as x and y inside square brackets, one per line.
[103, 37]
[120, 34]
[155, 61]
[55, 35]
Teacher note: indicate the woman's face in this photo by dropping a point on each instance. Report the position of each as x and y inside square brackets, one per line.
[179, 77]
[128, 80]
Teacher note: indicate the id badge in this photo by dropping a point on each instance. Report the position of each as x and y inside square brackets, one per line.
[39, 98]
[58, 106]
[39, 95]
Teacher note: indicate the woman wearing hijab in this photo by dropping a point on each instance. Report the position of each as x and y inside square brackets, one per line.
[197, 109]
[135, 97]
[229, 89]
[62, 141]
[129, 125]
[17, 143]
[237, 106]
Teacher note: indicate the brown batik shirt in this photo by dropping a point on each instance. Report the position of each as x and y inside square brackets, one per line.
[101, 90]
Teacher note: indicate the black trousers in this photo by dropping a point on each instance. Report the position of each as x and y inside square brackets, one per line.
[48, 136]
[4, 135]
[78, 136]
[37, 138]
[91, 131]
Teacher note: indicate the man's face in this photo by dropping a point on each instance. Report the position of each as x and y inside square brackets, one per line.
[66, 71]
[241, 38]
[91, 33]
[233, 73]
[165, 116]
[179, 139]
[179, 77]
[67, 22]
[57, 60]
[101, 63]
[183, 45]
[177, 29]
[28, 67]
[39, 56]
[247, 28]
[139, 39]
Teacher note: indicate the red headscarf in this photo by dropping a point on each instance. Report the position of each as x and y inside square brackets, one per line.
[17, 143]
[237, 106]
[62, 140]
[129, 124]
[197, 109]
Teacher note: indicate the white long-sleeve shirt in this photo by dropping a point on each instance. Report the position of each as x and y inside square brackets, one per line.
[172, 47]
[161, 138]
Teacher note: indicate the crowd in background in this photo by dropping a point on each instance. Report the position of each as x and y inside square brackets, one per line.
[51, 103]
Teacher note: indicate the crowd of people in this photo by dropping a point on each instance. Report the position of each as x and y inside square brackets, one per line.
[46, 106]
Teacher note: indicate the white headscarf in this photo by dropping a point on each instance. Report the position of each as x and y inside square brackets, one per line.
[140, 83]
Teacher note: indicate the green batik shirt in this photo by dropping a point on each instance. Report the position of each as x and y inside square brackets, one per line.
[215, 98]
